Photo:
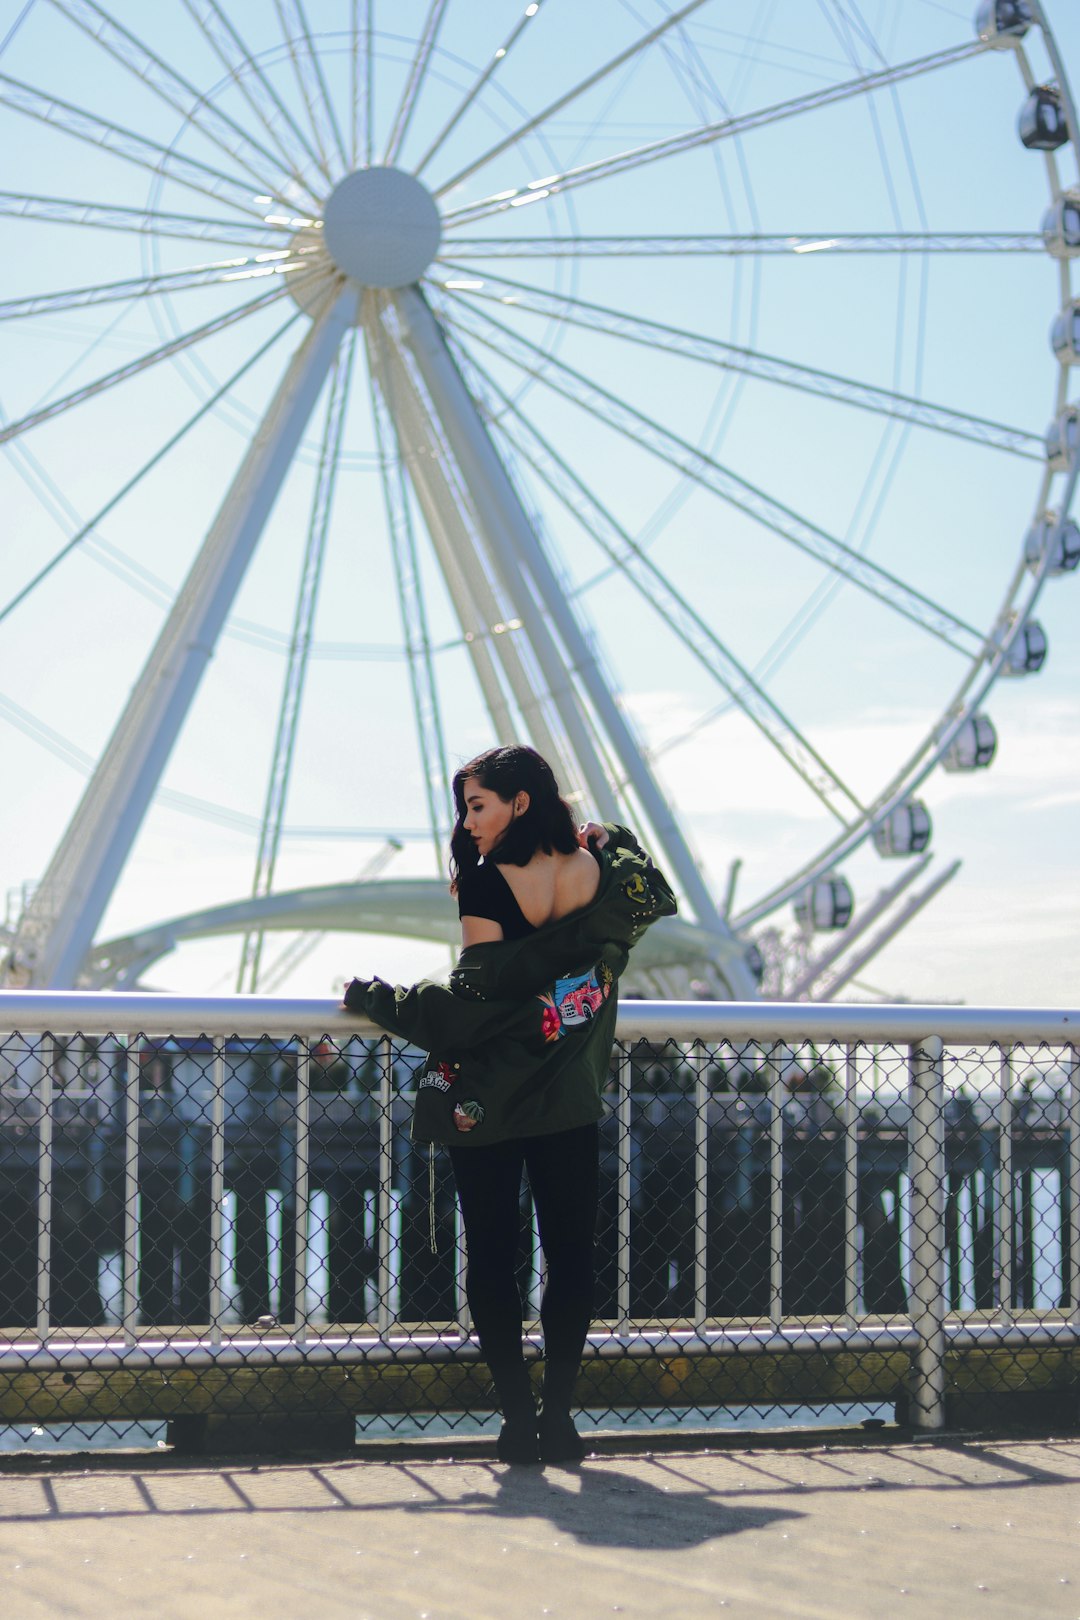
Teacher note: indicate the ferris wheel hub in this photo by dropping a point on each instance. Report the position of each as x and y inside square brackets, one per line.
[382, 227]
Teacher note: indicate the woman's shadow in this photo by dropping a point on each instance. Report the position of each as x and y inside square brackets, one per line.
[609, 1508]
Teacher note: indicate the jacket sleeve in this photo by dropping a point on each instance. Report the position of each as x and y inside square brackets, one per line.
[661, 895]
[620, 837]
[426, 1014]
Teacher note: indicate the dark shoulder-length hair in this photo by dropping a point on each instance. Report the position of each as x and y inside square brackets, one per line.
[548, 823]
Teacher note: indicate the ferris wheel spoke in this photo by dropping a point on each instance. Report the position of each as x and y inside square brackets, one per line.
[664, 599]
[694, 463]
[564, 100]
[172, 88]
[359, 87]
[415, 81]
[311, 82]
[410, 593]
[100, 385]
[171, 281]
[86, 531]
[478, 84]
[369, 80]
[752, 245]
[126, 143]
[141, 221]
[52, 498]
[765, 367]
[246, 72]
[705, 135]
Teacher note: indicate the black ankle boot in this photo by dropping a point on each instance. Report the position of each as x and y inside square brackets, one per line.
[517, 1442]
[559, 1440]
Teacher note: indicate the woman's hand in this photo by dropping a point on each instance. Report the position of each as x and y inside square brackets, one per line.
[590, 831]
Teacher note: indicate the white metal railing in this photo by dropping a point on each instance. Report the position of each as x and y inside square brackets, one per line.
[925, 1040]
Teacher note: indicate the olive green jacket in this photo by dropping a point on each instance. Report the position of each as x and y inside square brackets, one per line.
[520, 1038]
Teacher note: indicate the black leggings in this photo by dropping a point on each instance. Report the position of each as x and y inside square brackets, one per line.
[564, 1175]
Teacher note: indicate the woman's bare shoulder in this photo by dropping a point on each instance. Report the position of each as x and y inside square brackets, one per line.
[580, 877]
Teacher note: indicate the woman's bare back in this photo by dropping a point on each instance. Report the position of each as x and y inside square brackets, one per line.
[551, 886]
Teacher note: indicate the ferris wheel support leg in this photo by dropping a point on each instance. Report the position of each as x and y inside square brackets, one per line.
[444, 522]
[475, 584]
[510, 528]
[501, 519]
[59, 924]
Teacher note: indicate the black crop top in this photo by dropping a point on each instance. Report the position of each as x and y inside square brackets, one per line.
[484, 892]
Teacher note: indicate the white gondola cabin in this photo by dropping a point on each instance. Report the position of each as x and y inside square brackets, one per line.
[904, 831]
[973, 747]
[1061, 226]
[1027, 650]
[1001, 23]
[1063, 438]
[825, 905]
[1042, 125]
[1065, 334]
[1061, 540]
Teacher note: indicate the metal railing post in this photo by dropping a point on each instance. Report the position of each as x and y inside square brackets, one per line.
[777, 1100]
[45, 1190]
[217, 1190]
[537, 1269]
[926, 1147]
[625, 1078]
[386, 1176]
[462, 1316]
[1071, 1252]
[699, 1058]
[132, 1208]
[302, 1190]
[851, 1186]
[1004, 1192]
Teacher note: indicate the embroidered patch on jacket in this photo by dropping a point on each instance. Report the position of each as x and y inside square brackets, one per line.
[468, 1113]
[573, 1001]
[636, 889]
[441, 1077]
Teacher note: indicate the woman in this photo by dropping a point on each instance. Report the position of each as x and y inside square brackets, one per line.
[521, 1044]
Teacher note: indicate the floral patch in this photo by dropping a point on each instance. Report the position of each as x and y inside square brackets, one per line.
[550, 1022]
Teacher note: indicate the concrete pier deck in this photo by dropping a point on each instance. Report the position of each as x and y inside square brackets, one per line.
[951, 1528]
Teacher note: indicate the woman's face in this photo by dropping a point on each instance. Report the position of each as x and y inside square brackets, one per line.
[486, 815]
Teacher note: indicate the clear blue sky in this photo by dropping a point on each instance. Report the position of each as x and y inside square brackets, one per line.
[964, 331]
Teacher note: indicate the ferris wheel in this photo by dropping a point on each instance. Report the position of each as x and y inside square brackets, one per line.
[385, 381]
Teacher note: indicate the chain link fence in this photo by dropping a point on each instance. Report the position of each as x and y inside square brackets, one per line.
[800, 1218]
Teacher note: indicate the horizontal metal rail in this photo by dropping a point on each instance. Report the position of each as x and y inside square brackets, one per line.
[104, 1013]
[274, 1350]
